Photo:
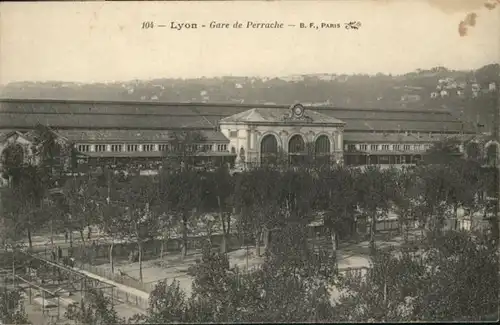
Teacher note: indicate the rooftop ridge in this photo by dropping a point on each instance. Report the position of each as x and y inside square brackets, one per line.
[205, 104]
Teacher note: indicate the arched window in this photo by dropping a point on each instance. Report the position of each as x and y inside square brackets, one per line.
[322, 145]
[296, 150]
[322, 150]
[268, 149]
[296, 144]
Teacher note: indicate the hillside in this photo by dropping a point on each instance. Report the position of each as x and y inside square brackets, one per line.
[471, 95]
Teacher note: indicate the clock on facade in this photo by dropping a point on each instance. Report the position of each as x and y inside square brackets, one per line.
[298, 110]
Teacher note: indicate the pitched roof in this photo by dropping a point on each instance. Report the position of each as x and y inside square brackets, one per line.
[103, 121]
[154, 115]
[278, 115]
[134, 135]
[8, 133]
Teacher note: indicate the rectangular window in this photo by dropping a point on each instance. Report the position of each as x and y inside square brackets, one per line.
[373, 147]
[148, 147]
[363, 147]
[351, 147]
[207, 147]
[100, 147]
[233, 134]
[396, 147]
[83, 147]
[222, 147]
[164, 147]
[406, 147]
[116, 147]
[132, 147]
[385, 147]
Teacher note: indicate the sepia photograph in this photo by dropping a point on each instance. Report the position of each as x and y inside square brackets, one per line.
[249, 161]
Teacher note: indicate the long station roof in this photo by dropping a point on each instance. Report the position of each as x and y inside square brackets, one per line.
[105, 115]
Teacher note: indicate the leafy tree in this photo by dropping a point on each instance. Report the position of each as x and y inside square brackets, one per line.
[215, 295]
[30, 179]
[405, 197]
[181, 191]
[167, 304]
[218, 197]
[25, 199]
[375, 195]
[80, 194]
[454, 278]
[11, 226]
[12, 307]
[462, 281]
[256, 194]
[435, 187]
[110, 210]
[337, 197]
[292, 284]
[183, 147]
[138, 219]
[96, 309]
[297, 191]
[224, 294]
[385, 293]
[443, 151]
[12, 161]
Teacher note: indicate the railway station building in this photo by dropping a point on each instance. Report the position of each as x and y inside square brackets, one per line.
[142, 134]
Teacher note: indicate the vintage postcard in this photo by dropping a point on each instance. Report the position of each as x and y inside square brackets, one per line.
[249, 161]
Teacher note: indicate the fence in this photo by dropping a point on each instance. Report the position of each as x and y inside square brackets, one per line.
[107, 274]
[153, 248]
[131, 299]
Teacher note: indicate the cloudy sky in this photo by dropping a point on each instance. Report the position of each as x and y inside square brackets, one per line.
[104, 41]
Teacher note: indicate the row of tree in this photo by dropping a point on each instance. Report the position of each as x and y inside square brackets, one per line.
[453, 278]
[139, 208]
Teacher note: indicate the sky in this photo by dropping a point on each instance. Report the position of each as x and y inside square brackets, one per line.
[104, 42]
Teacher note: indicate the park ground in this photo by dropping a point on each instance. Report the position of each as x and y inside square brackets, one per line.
[172, 267]
[350, 255]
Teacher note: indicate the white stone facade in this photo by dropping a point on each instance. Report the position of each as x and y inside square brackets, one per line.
[245, 135]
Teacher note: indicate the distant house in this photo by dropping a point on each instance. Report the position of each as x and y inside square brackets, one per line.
[410, 98]
[452, 85]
